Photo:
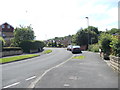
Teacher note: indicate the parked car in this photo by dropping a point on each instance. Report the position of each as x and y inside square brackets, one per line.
[69, 47]
[76, 49]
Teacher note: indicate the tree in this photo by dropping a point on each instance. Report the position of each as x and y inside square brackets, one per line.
[114, 31]
[94, 29]
[22, 34]
[85, 37]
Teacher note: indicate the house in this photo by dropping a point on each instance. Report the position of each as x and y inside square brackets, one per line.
[6, 31]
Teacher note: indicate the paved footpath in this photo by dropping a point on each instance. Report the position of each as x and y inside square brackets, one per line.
[90, 72]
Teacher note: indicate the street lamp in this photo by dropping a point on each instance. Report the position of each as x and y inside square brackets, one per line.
[87, 21]
[88, 27]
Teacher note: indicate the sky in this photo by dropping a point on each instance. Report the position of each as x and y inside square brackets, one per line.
[58, 18]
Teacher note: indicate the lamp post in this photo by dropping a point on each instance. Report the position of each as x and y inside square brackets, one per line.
[88, 28]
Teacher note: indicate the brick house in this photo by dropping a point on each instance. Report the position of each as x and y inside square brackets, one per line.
[6, 31]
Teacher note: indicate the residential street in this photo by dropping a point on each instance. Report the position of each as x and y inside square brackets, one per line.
[40, 72]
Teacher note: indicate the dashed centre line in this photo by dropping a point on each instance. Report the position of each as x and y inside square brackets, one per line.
[12, 85]
[30, 78]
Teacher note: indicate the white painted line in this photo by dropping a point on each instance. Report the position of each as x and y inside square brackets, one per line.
[32, 85]
[66, 85]
[11, 85]
[30, 78]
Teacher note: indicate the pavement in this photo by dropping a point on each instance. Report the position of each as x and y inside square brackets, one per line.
[90, 72]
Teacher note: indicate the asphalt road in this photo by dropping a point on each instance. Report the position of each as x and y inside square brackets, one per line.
[90, 72]
[22, 73]
[58, 70]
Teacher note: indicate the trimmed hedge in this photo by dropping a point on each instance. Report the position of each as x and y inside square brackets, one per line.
[11, 48]
[27, 46]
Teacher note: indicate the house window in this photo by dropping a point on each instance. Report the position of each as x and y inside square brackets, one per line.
[8, 26]
[3, 26]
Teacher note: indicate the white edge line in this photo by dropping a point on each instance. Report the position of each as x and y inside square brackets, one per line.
[11, 85]
[30, 78]
[32, 85]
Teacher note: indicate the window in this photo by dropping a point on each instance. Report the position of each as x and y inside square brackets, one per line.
[3, 26]
[8, 26]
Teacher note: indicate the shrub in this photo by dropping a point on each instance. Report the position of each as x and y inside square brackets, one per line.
[115, 45]
[94, 48]
[104, 41]
[2, 41]
[31, 45]
[11, 48]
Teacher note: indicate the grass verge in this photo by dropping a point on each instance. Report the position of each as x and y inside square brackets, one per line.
[78, 57]
[16, 58]
[47, 51]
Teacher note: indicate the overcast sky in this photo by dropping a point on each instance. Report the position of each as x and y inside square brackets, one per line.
[56, 18]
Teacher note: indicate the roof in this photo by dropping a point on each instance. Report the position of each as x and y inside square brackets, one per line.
[5, 29]
[6, 24]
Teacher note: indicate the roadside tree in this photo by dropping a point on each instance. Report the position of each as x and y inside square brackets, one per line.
[22, 34]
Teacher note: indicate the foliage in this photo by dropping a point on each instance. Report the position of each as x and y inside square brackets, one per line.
[85, 37]
[22, 34]
[11, 48]
[94, 48]
[16, 58]
[115, 45]
[31, 45]
[2, 41]
[104, 42]
[60, 45]
[94, 29]
[114, 31]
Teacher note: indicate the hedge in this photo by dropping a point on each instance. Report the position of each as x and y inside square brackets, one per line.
[31, 45]
[11, 48]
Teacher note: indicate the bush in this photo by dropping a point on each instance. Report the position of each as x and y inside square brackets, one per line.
[115, 45]
[104, 41]
[2, 41]
[11, 48]
[94, 48]
[31, 45]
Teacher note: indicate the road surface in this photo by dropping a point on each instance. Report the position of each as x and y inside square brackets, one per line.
[40, 72]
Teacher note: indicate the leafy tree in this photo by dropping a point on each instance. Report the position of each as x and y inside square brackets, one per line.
[94, 29]
[22, 34]
[114, 31]
[85, 37]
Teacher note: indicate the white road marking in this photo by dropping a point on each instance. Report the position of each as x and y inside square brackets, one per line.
[30, 78]
[66, 85]
[11, 85]
[32, 85]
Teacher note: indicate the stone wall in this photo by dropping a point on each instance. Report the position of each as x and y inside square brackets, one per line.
[115, 63]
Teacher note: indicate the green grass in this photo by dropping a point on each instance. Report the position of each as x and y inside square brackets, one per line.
[78, 57]
[47, 51]
[15, 58]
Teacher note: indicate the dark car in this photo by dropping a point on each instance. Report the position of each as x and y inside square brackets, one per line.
[69, 47]
[76, 49]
